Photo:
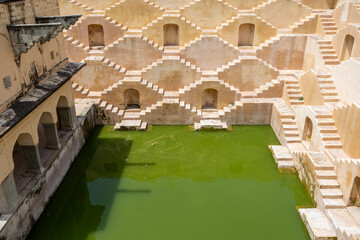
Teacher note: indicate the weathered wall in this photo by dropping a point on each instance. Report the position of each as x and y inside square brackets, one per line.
[312, 57]
[155, 32]
[248, 74]
[346, 80]
[347, 122]
[347, 170]
[285, 54]
[132, 52]
[24, 217]
[171, 75]
[134, 13]
[310, 89]
[216, 13]
[263, 30]
[346, 13]
[112, 31]
[209, 53]
[320, 4]
[339, 38]
[283, 13]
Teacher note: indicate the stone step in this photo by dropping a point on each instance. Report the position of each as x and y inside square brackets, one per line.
[326, 174]
[317, 224]
[331, 193]
[280, 153]
[128, 125]
[330, 203]
[330, 137]
[328, 184]
[131, 115]
[332, 144]
[210, 124]
[286, 165]
[320, 161]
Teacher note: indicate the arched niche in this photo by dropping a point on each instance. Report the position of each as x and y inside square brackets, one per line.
[96, 35]
[132, 99]
[171, 35]
[347, 47]
[246, 34]
[209, 99]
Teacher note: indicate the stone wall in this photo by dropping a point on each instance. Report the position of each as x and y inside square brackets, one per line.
[20, 222]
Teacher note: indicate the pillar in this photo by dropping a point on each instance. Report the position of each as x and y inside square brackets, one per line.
[9, 196]
[32, 156]
[52, 138]
[67, 118]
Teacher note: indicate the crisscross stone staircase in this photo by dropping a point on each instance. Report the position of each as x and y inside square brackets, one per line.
[131, 121]
[210, 119]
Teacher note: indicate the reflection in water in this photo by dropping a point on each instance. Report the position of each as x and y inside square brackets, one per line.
[174, 184]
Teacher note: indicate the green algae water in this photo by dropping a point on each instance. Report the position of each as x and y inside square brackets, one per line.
[174, 184]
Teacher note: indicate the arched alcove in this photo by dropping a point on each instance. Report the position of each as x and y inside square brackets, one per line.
[355, 193]
[209, 99]
[96, 35]
[132, 99]
[27, 162]
[347, 47]
[64, 114]
[308, 130]
[246, 34]
[171, 35]
[48, 136]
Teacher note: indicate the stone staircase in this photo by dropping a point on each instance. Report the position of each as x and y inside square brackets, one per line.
[81, 5]
[304, 26]
[328, 23]
[131, 121]
[327, 87]
[292, 86]
[283, 158]
[289, 126]
[210, 120]
[329, 194]
[328, 52]
[328, 131]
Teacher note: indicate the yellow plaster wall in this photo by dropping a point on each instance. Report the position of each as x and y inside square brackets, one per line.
[346, 81]
[248, 74]
[245, 4]
[172, 4]
[133, 13]
[347, 121]
[187, 32]
[263, 31]
[79, 31]
[216, 13]
[320, 4]
[209, 53]
[338, 40]
[171, 75]
[194, 95]
[286, 53]
[97, 76]
[148, 96]
[310, 89]
[133, 53]
[283, 13]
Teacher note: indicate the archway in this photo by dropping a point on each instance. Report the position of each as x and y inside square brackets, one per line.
[347, 47]
[48, 136]
[171, 35]
[96, 35]
[209, 99]
[65, 114]
[132, 99]
[308, 129]
[355, 193]
[246, 34]
[27, 161]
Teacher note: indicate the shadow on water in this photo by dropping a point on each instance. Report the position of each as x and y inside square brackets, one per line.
[100, 158]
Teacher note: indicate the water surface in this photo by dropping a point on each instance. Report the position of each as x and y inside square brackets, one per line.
[174, 184]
